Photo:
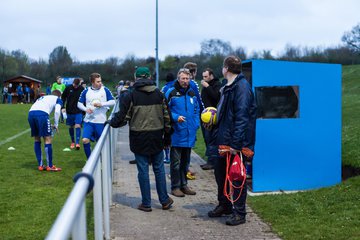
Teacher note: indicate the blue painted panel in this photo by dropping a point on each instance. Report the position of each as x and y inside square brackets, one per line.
[305, 152]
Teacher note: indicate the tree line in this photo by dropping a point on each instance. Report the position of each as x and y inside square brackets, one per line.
[212, 53]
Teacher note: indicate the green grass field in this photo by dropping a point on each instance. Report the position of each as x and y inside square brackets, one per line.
[31, 200]
[327, 213]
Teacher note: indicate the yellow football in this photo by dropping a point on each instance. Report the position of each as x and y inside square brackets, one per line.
[208, 116]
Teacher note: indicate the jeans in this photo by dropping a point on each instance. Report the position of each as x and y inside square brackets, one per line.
[179, 160]
[9, 98]
[211, 146]
[142, 163]
[220, 174]
[4, 98]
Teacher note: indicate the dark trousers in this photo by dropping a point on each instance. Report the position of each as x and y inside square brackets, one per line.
[179, 160]
[220, 175]
[211, 146]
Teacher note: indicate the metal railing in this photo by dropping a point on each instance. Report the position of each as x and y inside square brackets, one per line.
[97, 176]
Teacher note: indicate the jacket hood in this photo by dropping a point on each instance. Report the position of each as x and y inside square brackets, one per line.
[145, 85]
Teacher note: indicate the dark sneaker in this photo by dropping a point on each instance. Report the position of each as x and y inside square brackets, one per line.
[132, 161]
[144, 208]
[219, 211]
[187, 191]
[77, 146]
[235, 219]
[168, 204]
[207, 167]
[177, 193]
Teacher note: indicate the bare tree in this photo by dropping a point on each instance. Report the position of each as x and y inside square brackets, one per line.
[352, 38]
[215, 47]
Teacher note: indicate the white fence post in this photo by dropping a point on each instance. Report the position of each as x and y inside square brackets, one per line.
[98, 216]
[105, 157]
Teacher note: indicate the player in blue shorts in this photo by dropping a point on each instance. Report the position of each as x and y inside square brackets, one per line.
[95, 101]
[70, 98]
[39, 121]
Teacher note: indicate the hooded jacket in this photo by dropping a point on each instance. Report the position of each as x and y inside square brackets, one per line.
[146, 111]
[236, 115]
[183, 102]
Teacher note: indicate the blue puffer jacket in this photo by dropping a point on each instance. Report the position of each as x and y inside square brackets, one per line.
[183, 102]
[236, 115]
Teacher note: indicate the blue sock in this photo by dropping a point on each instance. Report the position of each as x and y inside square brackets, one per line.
[78, 135]
[71, 132]
[87, 149]
[38, 154]
[48, 151]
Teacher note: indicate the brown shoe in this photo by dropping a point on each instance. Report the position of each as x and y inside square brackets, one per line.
[144, 208]
[177, 193]
[168, 204]
[187, 191]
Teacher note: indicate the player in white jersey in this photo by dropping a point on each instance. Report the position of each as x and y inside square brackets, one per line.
[39, 120]
[95, 101]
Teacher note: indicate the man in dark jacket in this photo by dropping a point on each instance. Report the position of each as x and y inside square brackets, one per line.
[210, 95]
[150, 128]
[70, 97]
[236, 129]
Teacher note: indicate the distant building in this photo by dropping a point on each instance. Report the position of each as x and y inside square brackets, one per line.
[33, 83]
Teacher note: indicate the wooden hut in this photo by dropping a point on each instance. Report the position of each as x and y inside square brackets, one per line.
[32, 83]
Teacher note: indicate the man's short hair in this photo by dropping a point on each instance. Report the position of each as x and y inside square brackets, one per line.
[191, 66]
[233, 64]
[93, 76]
[56, 93]
[76, 81]
[183, 70]
[211, 72]
[170, 77]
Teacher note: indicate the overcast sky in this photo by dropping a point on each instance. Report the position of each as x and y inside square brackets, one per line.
[94, 29]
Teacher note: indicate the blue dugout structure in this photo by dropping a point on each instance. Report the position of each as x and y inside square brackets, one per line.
[298, 132]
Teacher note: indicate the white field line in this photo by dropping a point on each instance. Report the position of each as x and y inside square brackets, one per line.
[15, 136]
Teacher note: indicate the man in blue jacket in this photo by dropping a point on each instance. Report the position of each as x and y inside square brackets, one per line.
[184, 109]
[236, 117]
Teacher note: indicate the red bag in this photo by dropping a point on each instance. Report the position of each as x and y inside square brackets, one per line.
[237, 171]
[234, 172]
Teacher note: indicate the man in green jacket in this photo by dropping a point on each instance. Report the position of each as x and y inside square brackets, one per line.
[150, 127]
[58, 85]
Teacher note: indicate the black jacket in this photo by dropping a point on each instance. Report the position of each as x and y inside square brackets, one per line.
[211, 95]
[71, 97]
[147, 113]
